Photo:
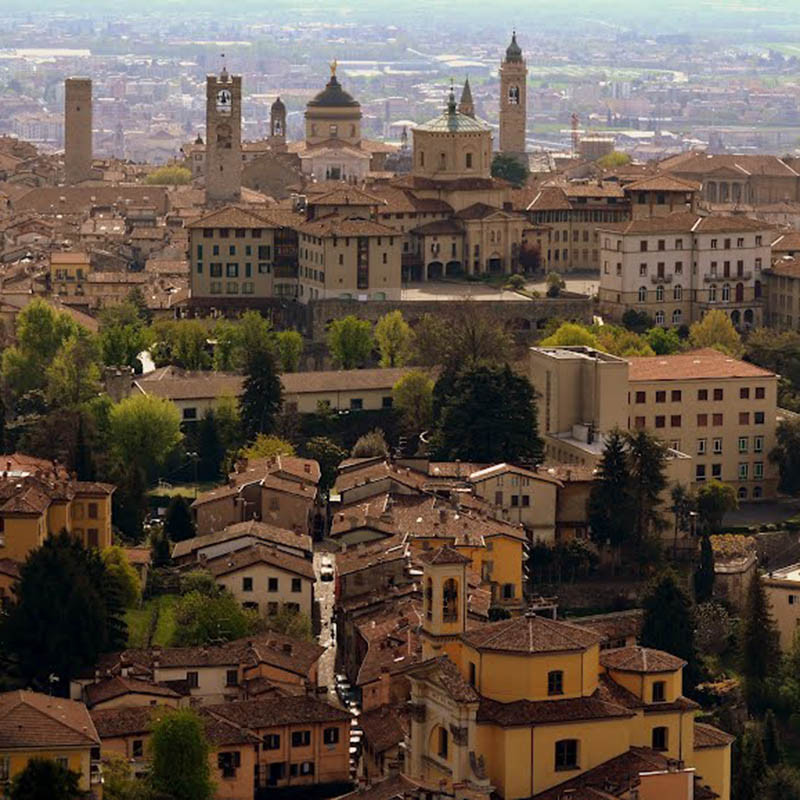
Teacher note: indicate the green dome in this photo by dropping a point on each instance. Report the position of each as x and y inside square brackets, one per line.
[333, 96]
[514, 51]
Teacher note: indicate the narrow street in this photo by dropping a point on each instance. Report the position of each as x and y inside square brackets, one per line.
[324, 596]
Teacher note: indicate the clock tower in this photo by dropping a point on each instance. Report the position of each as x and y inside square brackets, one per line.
[223, 138]
[513, 100]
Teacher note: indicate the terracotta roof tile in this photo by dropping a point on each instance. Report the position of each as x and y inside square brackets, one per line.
[261, 531]
[709, 736]
[531, 634]
[538, 712]
[640, 659]
[383, 728]
[119, 686]
[662, 183]
[397, 787]
[615, 625]
[257, 714]
[335, 225]
[444, 555]
[29, 719]
[342, 379]
[696, 364]
[259, 554]
[786, 267]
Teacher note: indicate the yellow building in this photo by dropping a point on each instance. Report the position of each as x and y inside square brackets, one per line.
[34, 725]
[782, 587]
[530, 704]
[69, 273]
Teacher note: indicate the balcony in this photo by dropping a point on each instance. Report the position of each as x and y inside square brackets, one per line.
[660, 279]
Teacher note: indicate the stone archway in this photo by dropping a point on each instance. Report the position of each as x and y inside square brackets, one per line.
[453, 269]
[435, 271]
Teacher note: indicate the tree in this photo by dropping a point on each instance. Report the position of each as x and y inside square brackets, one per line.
[555, 283]
[66, 628]
[469, 426]
[118, 567]
[118, 780]
[268, 447]
[328, 455]
[262, 393]
[412, 396]
[46, 779]
[160, 547]
[188, 344]
[704, 574]
[290, 349]
[509, 168]
[782, 782]
[394, 337]
[84, 460]
[171, 175]
[210, 449]
[350, 342]
[291, 623]
[203, 620]
[714, 500]
[570, 334]
[637, 321]
[716, 330]
[143, 430]
[122, 335]
[73, 376]
[750, 766]
[370, 445]
[682, 507]
[773, 749]
[179, 756]
[760, 651]
[178, 523]
[786, 454]
[613, 160]
[610, 509]
[713, 628]
[668, 621]
[647, 459]
[663, 341]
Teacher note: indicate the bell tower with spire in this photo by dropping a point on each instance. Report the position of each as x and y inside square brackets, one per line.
[513, 100]
[223, 137]
[466, 106]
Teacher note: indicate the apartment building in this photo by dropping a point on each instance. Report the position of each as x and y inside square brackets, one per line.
[237, 255]
[717, 413]
[782, 587]
[782, 281]
[69, 272]
[679, 266]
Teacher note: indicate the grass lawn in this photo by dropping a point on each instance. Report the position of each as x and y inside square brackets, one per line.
[138, 621]
[156, 615]
[165, 625]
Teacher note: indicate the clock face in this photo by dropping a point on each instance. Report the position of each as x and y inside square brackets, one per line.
[224, 100]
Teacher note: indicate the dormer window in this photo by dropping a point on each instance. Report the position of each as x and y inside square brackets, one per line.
[659, 691]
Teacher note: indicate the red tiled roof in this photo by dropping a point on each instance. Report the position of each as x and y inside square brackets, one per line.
[119, 686]
[259, 554]
[708, 736]
[383, 728]
[531, 634]
[29, 719]
[261, 531]
[640, 659]
[696, 364]
[539, 712]
[258, 714]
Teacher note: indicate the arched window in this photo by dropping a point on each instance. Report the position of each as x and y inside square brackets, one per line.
[659, 294]
[513, 95]
[642, 294]
[677, 314]
[748, 316]
[757, 492]
[739, 292]
[726, 292]
[677, 292]
[444, 743]
[429, 598]
[757, 288]
[712, 293]
[742, 493]
[660, 738]
[450, 600]
[659, 318]
[566, 755]
[736, 318]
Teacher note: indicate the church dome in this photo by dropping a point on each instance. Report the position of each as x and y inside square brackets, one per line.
[452, 121]
[333, 96]
[514, 51]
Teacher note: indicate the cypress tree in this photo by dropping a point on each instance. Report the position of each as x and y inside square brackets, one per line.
[704, 574]
[760, 651]
[84, 463]
[773, 750]
[178, 523]
[262, 393]
[647, 463]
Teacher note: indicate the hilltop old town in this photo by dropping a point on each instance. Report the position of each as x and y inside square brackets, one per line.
[401, 461]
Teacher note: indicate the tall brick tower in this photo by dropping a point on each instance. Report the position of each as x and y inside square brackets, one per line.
[223, 138]
[513, 100]
[77, 129]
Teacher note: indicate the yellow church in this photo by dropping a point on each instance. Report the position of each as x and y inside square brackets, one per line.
[532, 707]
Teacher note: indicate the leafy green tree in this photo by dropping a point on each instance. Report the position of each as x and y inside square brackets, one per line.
[66, 628]
[199, 580]
[229, 424]
[613, 160]
[255, 334]
[179, 756]
[171, 175]
[669, 623]
[118, 780]
[716, 330]
[568, 334]
[682, 506]
[555, 283]
[371, 444]
[137, 299]
[663, 341]
[704, 574]
[350, 342]
[262, 393]
[470, 428]
[714, 500]
[210, 448]
[160, 547]
[760, 651]
[178, 523]
[73, 376]
[622, 342]
[781, 782]
[611, 510]
[226, 345]
[290, 350]
[412, 396]
[123, 335]
[773, 749]
[143, 430]
[394, 337]
[637, 321]
[268, 447]
[786, 454]
[750, 766]
[647, 460]
[510, 168]
[328, 455]
[188, 344]
[84, 459]
[116, 563]
[291, 623]
[46, 779]
[206, 620]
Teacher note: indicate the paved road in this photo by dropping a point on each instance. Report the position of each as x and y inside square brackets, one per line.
[324, 595]
[452, 290]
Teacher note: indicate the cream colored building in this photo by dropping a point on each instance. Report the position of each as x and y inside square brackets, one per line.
[782, 587]
[783, 293]
[679, 266]
[69, 273]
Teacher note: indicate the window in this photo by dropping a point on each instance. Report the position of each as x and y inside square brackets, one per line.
[702, 394]
[713, 244]
[356, 403]
[639, 422]
[744, 393]
[642, 294]
[137, 751]
[232, 677]
[247, 584]
[659, 691]
[330, 736]
[443, 743]
[642, 271]
[192, 680]
[469, 160]
[92, 510]
[717, 446]
[272, 584]
[758, 470]
[743, 444]
[758, 417]
[659, 294]
[679, 267]
[716, 471]
[660, 738]
[263, 268]
[508, 591]
[759, 392]
[718, 394]
[716, 420]
[700, 472]
[215, 269]
[472, 677]
[643, 246]
[701, 447]
[301, 738]
[662, 245]
[566, 754]
[555, 682]
[659, 315]
[661, 397]
[758, 444]
[272, 741]
[661, 421]
[189, 413]
[744, 417]
[228, 763]
[726, 293]
[386, 402]
[702, 420]
[232, 270]
[677, 316]
[297, 585]
[712, 293]
[744, 471]
[675, 421]
[640, 397]
[677, 292]
[675, 395]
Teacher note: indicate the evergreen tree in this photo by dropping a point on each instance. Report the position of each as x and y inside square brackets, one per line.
[45, 779]
[704, 574]
[262, 393]
[781, 783]
[84, 463]
[647, 464]
[773, 750]
[178, 523]
[610, 503]
[160, 549]
[750, 766]
[210, 448]
[760, 652]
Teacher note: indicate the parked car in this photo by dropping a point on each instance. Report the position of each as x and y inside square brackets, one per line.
[326, 569]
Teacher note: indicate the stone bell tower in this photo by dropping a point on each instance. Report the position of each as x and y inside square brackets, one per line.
[77, 130]
[223, 138]
[277, 125]
[513, 100]
[444, 600]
